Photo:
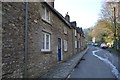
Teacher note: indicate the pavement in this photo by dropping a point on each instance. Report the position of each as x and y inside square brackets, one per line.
[63, 70]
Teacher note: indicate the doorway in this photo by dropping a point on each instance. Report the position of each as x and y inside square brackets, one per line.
[60, 56]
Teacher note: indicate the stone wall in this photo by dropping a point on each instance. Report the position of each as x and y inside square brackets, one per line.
[13, 22]
[13, 40]
[39, 61]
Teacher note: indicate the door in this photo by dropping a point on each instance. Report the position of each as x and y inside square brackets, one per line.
[59, 49]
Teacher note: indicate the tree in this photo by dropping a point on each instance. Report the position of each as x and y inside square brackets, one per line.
[104, 29]
[88, 37]
[102, 32]
[110, 13]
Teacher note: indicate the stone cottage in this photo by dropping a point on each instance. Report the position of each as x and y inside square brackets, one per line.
[35, 38]
[74, 39]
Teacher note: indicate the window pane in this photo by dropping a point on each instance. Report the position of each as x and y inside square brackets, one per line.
[47, 41]
[47, 45]
[43, 41]
[47, 15]
[75, 44]
[75, 33]
[43, 13]
[47, 38]
[65, 45]
[65, 30]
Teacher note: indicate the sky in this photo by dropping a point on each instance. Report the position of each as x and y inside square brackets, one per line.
[84, 12]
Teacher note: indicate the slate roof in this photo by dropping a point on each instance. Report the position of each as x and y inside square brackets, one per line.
[73, 24]
[80, 30]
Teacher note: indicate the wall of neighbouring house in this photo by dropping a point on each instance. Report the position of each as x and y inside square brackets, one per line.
[13, 23]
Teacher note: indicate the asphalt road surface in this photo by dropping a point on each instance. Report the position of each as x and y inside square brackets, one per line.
[92, 67]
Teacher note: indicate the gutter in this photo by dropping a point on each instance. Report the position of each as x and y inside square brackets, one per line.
[26, 41]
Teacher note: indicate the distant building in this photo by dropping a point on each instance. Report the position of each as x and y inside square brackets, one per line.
[93, 39]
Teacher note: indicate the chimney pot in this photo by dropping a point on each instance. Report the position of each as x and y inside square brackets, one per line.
[67, 17]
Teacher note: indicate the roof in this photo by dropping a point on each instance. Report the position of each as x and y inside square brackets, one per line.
[80, 30]
[73, 24]
[58, 14]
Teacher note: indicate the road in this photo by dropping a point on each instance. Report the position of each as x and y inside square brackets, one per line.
[91, 66]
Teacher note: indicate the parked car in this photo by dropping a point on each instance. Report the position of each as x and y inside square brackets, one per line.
[95, 44]
[103, 45]
[90, 43]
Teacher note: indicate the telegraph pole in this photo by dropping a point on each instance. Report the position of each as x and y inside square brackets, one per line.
[115, 40]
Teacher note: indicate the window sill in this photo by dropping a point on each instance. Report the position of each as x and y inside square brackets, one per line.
[48, 22]
[65, 33]
[46, 52]
[65, 50]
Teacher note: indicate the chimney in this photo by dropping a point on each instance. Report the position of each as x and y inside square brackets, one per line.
[51, 3]
[67, 17]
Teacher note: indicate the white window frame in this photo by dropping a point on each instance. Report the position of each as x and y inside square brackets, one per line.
[75, 44]
[75, 32]
[65, 30]
[45, 41]
[44, 17]
[65, 45]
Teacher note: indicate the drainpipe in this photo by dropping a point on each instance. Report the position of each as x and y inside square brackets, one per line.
[73, 41]
[26, 40]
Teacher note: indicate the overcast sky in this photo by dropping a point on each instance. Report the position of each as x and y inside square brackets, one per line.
[85, 12]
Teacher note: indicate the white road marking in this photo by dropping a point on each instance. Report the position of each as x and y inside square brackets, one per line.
[114, 69]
